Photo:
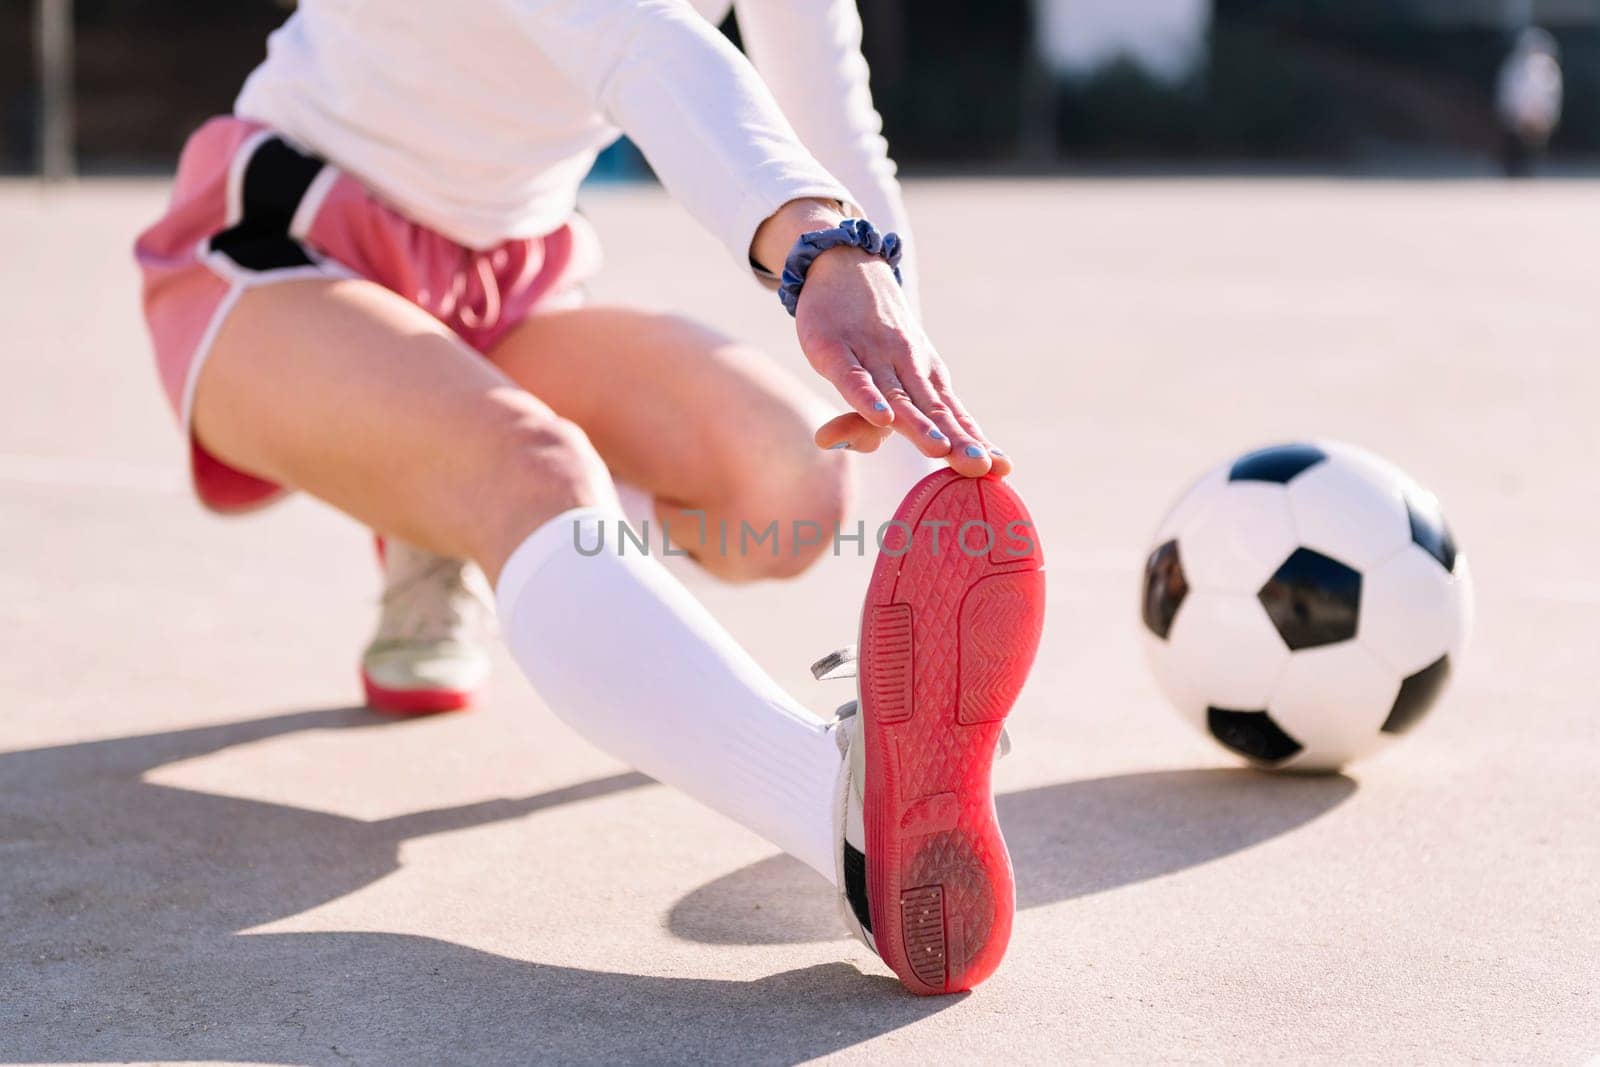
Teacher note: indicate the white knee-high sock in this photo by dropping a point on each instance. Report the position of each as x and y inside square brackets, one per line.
[630, 660]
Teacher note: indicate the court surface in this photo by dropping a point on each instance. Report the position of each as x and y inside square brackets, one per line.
[207, 854]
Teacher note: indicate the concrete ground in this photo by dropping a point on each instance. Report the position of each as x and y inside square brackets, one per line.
[207, 854]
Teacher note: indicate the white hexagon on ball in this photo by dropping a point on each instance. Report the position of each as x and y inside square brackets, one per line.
[1413, 611]
[1333, 702]
[1343, 512]
[1238, 538]
[1225, 648]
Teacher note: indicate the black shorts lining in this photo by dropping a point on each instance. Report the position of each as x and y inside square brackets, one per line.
[276, 179]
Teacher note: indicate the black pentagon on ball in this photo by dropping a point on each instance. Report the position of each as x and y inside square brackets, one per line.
[1279, 463]
[1418, 694]
[1165, 586]
[1312, 600]
[1430, 532]
[1252, 734]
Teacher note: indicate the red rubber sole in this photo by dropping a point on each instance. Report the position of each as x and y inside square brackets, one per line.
[948, 634]
[414, 701]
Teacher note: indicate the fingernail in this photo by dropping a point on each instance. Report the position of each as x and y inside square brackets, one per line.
[880, 406]
[974, 451]
[995, 452]
[841, 444]
[935, 434]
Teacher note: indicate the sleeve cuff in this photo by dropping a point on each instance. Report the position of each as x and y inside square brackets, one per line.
[760, 205]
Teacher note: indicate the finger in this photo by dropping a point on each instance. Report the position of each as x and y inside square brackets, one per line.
[968, 454]
[1000, 464]
[909, 421]
[940, 378]
[853, 432]
[840, 367]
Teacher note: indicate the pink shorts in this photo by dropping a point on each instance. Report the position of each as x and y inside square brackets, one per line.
[250, 209]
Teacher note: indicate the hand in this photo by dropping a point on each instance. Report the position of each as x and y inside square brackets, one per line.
[857, 332]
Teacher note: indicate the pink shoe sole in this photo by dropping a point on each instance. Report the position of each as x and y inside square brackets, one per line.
[947, 640]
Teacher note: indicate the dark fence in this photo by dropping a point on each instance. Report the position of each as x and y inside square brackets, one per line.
[1315, 80]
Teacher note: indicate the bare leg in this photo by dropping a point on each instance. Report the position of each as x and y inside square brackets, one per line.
[698, 420]
[346, 391]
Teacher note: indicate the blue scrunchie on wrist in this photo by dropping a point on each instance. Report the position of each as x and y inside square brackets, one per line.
[856, 233]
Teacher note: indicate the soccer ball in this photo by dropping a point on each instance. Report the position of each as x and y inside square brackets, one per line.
[1304, 605]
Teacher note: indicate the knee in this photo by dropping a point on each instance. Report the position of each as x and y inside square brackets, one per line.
[530, 467]
[788, 523]
[538, 455]
[822, 499]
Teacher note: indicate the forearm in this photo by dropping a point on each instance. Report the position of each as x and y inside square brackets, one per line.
[809, 53]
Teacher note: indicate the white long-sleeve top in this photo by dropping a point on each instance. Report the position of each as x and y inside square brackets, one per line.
[479, 118]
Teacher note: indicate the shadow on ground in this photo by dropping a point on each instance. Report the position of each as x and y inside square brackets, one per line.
[120, 903]
[1067, 840]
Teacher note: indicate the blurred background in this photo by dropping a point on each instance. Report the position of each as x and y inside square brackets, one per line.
[1453, 86]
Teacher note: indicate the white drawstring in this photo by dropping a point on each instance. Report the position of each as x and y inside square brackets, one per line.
[491, 298]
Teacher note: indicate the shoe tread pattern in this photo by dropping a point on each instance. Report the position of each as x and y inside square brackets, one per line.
[939, 876]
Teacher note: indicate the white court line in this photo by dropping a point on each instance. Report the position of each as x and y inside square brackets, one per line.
[92, 474]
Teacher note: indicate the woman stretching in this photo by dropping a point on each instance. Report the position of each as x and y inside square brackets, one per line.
[368, 287]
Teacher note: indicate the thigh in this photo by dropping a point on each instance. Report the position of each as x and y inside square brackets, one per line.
[674, 407]
[344, 390]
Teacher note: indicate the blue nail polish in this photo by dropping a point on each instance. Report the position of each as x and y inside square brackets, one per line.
[935, 434]
[880, 406]
[995, 452]
[974, 451]
[841, 444]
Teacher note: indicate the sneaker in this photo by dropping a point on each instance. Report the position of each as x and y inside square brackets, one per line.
[429, 652]
[851, 803]
[948, 633]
